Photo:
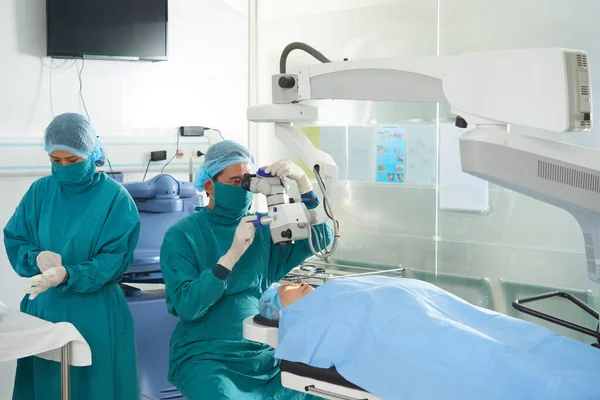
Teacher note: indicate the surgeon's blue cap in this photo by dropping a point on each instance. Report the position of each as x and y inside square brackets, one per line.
[220, 156]
[73, 133]
[269, 304]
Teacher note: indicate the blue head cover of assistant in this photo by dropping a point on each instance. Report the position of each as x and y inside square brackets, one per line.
[73, 133]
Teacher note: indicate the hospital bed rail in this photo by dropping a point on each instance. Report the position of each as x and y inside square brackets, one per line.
[519, 305]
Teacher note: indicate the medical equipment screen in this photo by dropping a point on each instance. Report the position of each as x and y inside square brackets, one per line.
[113, 29]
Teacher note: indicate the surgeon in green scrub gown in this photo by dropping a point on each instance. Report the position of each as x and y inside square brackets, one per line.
[216, 266]
[71, 238]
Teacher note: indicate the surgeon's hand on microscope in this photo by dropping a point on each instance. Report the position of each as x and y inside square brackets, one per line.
[243, 238]
[287, 169]
[52, 277]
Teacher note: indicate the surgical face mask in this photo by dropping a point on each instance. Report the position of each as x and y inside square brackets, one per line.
[231, 201]
[78, 174]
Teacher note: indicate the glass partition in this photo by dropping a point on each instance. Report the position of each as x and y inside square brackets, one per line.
[522, 246]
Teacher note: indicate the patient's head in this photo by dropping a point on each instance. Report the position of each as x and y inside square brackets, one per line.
[279, 296]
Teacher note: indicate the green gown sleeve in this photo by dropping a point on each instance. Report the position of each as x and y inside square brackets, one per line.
[19, 237]
[191, 288]
[116, 244]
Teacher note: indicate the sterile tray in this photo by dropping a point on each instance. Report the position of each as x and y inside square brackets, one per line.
[317, 273]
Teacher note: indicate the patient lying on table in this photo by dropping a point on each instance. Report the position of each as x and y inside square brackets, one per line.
[408, 339]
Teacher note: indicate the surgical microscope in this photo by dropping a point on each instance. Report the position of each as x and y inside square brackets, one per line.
[290, 221]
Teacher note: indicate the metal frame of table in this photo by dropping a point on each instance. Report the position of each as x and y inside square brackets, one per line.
[65, 372]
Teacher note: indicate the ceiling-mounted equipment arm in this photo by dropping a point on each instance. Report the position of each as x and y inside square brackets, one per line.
[547, 89]
[539, 88]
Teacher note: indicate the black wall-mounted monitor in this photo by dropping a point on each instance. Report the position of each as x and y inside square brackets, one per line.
[107, 29]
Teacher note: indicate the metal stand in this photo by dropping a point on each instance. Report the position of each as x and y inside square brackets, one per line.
[317, 273]
[65, 377]
[518, 304]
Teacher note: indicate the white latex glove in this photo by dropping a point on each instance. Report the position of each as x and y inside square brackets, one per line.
[287, 169]
[47, 259]
[244, 236]
[42, 282]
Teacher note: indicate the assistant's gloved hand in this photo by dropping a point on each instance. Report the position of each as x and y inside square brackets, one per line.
[48, 259]
[244, 236]
[42, 282]
[287, 169]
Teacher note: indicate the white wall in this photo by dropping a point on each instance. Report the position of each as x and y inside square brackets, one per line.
[204, 81]
[135, 107]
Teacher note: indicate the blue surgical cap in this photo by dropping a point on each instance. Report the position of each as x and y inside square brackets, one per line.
[220, 156]
[269, 304]
[73, 133]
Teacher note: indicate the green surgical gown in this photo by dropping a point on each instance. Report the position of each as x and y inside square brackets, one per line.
[209, 359]
[95, 229]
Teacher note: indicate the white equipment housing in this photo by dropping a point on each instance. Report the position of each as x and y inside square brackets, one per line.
[560, 174]
[260, 333]
[539, 88]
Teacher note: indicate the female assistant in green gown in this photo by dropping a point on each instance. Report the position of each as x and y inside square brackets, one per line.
[216, 266]
[73, 235]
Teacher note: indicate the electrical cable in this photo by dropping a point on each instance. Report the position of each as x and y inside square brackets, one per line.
[299, 46]
[51, 70]
[81, 90]
[169, 162]
[216, 130]
[323, 252]
[317, 172]
[111, 169]
[177, 145]
[51, 105]
[80, 95]
[174, 155]
[145, 173]
[86, 110]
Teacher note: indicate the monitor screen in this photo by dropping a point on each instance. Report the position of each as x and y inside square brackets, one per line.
[114, 29]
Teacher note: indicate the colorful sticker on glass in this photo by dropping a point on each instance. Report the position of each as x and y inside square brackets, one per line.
[391, 154]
